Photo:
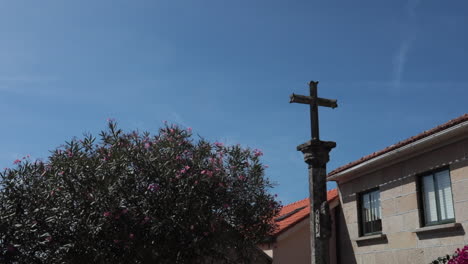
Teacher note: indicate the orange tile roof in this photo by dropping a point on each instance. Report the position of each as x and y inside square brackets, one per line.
[403, 143]
[295, 212]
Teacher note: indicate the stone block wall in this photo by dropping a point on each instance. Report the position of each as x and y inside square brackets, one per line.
[401, 210]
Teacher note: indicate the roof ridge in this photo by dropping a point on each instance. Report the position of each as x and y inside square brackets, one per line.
[307, 198]
[296, 202]
[293, 213]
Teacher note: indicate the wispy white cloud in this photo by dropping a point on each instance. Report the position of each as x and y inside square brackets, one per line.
[22, 84]
[411, 7]
[400, 57]
[26, 78]
[416, 86]
[399, 61]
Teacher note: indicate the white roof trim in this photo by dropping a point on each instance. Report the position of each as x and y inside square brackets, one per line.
[435, 138]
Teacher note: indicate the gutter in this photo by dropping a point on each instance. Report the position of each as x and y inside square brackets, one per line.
[460, 129]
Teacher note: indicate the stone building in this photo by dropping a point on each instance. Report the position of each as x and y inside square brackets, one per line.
[407, 203]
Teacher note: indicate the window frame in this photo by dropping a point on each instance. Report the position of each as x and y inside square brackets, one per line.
[361, 211]
[421, 199]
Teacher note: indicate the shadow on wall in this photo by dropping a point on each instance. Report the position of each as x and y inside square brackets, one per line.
[344, 246]
[457, 230]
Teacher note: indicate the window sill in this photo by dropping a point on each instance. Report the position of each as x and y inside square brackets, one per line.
[436, 228]
[371, 238]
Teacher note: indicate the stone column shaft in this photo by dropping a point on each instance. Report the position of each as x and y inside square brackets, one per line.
[316, 155]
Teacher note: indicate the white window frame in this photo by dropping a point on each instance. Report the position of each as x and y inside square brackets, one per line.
[435, 201]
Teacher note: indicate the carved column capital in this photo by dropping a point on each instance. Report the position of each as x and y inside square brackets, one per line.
[316, 152]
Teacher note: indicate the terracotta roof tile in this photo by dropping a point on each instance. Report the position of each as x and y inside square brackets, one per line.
[297, 211]
[403, 143]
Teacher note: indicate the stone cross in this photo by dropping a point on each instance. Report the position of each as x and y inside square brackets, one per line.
[314, 101]
[316, 155]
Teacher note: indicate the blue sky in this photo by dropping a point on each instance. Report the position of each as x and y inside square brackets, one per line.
[226, 69]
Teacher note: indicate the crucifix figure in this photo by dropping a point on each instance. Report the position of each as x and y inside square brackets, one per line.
[316, 155]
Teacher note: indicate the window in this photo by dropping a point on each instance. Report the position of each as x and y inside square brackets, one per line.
[370, 213]
[436, 192]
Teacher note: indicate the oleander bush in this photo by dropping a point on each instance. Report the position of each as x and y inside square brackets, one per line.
[136, 198]
[459, 257]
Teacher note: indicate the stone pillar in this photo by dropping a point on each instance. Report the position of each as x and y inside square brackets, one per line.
[316, 155]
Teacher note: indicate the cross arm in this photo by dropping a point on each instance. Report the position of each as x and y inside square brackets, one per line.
[302, 99]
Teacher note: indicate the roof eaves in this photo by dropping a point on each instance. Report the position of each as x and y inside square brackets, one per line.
[401, 144]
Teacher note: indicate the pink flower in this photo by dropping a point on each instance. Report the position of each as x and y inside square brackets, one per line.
[147, 145]
[460, 257]
[187, 167]
[61, 173]
[182, 171]
[106, 214]
[145, 220]
[16, 161]
[189, 129]
[202, 172]
[218, 144]
[241, 177]
[10, 248]
[153, 187]
[257, 153]
[131, 236]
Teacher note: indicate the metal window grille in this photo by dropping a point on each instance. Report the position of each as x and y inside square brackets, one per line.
[371, 222]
